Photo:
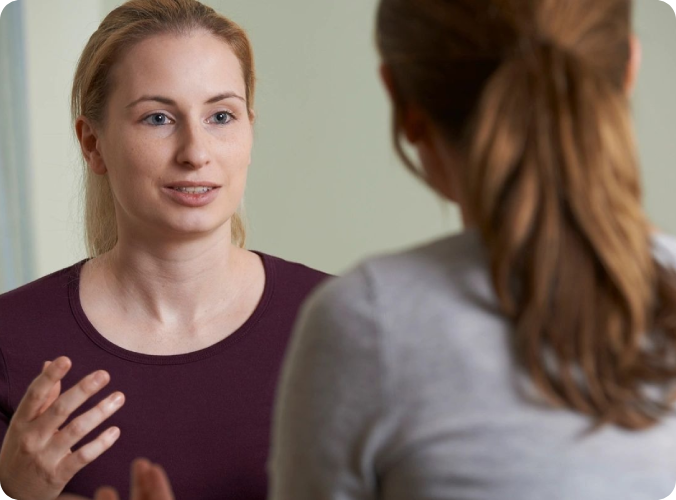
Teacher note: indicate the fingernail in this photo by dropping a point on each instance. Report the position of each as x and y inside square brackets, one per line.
[61, 363]
[99, 378]
[117, 398]
[141, 465]
[114, 433]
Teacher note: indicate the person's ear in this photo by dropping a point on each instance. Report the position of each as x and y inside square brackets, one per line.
[413, 122]
[88, 137]
[635, 58]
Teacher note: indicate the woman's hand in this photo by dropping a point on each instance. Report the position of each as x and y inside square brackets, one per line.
[36, 461]
[148, 482]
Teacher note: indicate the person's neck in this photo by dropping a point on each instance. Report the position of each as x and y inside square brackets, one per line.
[448, 166]
[171, 282]
[466, 216]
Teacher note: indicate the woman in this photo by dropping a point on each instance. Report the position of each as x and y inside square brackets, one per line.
[532, 355]
[186, 326]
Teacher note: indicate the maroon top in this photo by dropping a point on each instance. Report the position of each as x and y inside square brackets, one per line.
[204, 416]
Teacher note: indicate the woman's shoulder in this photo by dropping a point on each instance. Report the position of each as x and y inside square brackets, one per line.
[454, 267]
[391, 281]
[449, 254]
[291, 274]
[37, 291]
[32, 313]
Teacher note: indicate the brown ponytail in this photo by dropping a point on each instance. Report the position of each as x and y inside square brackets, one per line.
[553, 186]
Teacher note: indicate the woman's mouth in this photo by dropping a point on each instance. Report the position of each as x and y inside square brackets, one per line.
[193, 190]
[192, 196]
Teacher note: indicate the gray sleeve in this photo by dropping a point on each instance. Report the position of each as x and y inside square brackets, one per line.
[325, 431]
[664, 247]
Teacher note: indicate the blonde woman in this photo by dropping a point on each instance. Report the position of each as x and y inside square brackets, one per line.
[183, 327]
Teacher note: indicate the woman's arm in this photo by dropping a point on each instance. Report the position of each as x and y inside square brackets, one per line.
[327, 424]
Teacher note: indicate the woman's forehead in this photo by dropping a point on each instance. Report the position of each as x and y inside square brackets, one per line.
[192, 65]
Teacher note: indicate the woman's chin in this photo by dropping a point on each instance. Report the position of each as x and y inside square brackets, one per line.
[197, 228]
[167, 228]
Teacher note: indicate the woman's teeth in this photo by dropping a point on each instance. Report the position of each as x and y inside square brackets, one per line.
[193, 190]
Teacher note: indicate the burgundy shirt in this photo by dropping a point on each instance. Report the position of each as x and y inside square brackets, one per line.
[205, 416]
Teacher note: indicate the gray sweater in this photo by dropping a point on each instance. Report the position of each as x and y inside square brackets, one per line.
[400, 385]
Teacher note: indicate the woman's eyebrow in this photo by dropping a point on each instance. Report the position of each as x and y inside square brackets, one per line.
[171, 102]
[225, 95]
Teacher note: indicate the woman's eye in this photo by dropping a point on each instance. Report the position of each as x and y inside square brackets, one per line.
[157, 119]
[221, 118]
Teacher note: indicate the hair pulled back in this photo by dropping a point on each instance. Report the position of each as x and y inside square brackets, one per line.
[532, 95]
[127, 25]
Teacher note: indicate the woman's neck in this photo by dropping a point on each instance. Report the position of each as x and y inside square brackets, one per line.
[170, 283]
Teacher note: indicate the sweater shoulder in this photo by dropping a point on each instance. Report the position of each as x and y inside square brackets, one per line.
[30, 295]
[293, 276]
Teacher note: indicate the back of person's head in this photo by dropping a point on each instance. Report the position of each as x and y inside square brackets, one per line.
[532, 96]
[127, 25]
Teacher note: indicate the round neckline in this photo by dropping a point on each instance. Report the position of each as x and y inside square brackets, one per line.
[170, 359]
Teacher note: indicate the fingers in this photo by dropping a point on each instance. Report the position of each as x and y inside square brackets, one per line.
[53, 393]
[74, 462]
[39, 390]
[39, 454]
[139, 468]
[149, 482]
[72, 399]
[106, 493]
[61, 442]
[159, 487]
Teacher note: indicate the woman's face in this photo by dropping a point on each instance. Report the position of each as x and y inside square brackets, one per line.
[176, 142]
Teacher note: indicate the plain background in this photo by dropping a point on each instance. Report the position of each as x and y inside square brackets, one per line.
[325, 187]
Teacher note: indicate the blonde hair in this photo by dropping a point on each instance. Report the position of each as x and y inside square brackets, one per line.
[533, 96]
[124, 27]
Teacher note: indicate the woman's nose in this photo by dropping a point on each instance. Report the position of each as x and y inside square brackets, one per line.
[194, 148]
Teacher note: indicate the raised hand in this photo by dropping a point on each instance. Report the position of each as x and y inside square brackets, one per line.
[36, 461]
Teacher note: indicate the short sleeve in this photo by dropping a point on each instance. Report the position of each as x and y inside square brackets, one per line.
[325, 430]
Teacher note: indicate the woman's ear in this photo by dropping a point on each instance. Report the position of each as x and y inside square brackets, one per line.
[88, 138]
[413, 122]
[635, 58]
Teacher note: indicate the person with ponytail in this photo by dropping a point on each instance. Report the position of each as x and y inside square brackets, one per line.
[168, 340]
[533, 355]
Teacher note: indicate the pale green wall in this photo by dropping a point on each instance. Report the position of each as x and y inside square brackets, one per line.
[325, 187]
[55, 36]
[655, 109]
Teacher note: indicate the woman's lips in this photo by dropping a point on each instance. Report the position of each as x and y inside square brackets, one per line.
[192, 199]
